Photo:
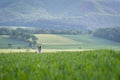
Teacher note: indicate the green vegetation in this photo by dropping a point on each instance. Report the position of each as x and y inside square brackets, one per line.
[91, 42]
[108, 33]
[50, 41]
[6, 42]
[75, 42]
[19, 34]
[6, 31]
[55, 31]
[88, 65]
[25, 38]
[54, 39]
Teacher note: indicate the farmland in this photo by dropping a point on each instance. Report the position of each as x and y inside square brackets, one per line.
[90, 42]
[49, 41]
[59, 39]
[5, 40]
[87, 65]
[62, 42]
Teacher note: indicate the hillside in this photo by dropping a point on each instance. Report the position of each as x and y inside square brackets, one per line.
[54, 39]
[79, 14]
[6, 43]
[108, 33]
[49, 41]
[62, 42]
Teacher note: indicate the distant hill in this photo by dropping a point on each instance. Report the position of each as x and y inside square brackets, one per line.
[81, 14]
[108, 33]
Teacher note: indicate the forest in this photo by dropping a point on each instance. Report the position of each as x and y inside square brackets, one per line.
[26, 34]
[108, 33]
[19, 34]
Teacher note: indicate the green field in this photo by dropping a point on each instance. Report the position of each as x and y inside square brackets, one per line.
[90, 42]
[5, 40]
[51, 41]
[88, 65]
[75, 42]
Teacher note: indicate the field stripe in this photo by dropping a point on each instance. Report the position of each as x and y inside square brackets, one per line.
[44, 50]
[54, 39]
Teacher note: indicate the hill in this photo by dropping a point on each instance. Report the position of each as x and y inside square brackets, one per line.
[6, 42]
[49, 41]
[78, 14]
[108, 33]
[63, 42]
[54, 39]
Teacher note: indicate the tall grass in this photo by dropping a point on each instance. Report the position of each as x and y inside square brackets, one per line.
[87, 65]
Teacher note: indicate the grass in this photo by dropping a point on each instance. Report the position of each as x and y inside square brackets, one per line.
[50, 41]
[5, 40]
[87, 65]
[90, 42]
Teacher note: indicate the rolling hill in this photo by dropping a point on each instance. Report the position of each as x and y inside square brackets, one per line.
[6, 40]
[62, 42]
[80, 14]
[49, 41]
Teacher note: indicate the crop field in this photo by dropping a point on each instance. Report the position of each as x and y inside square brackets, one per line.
[49, 41]
[90, 42]
[86, 65]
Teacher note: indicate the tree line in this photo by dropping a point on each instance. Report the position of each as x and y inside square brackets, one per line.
[55, 31]
[19, 34]
[108, 33]
[6, 31]
[26, 34]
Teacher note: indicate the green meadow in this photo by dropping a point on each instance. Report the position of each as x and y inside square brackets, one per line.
[5, 40]
[63, 57]
[90, 42]
[51, 41]
[86, 65]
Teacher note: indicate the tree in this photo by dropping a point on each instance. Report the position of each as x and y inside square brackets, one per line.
[30, 44]
[9, 45]
[18, 47]
[34, 43]
[108, 33]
